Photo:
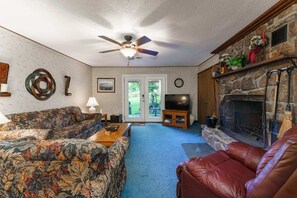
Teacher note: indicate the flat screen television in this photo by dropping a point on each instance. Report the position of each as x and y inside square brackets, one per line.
[177, 102]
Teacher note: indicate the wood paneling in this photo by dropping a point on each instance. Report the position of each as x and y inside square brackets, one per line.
[263, 18]
[208, 95]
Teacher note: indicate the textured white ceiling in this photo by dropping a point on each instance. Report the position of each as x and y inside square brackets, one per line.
[184, 32]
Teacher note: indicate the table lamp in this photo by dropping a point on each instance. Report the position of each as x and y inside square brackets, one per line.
[3, 119]
[92, 102]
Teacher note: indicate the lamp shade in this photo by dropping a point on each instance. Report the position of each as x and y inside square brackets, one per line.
[128, 52]
[92, 102]
[3, 119]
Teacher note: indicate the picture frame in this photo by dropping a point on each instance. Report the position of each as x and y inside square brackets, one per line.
[105, 85]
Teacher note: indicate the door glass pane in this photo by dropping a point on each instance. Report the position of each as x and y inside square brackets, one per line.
[134, 99]
[154, 98]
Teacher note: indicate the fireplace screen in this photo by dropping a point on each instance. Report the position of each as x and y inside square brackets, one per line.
[241, 118]
[248, 122]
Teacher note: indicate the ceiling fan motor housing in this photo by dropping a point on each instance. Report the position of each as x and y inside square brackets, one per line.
[128, 38]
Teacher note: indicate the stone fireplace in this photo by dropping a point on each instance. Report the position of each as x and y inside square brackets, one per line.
[241, 92]
[241, 118]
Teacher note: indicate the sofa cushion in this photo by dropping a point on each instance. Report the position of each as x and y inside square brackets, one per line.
[39, 134]
[77, 114]
[276, 172]
[274, 149]
[73, 130]
[46, 119]
[221, 174]
[248, 155]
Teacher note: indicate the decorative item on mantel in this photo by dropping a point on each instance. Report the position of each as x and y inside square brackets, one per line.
[232, 63]
[4, 69]
[257, 48]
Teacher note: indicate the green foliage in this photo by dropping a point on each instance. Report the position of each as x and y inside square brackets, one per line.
[236, 61]
[134, 95]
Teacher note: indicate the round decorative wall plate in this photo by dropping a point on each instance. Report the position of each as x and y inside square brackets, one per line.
[41, 84]
[179, 82]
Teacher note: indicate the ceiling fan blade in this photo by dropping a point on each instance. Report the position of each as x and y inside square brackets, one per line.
[149, 52]
[142, 41]
[109, 51]
[110, 40]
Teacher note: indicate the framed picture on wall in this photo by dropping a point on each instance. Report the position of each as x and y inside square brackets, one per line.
[105, 85]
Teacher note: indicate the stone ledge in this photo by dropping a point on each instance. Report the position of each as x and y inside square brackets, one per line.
[216, 138]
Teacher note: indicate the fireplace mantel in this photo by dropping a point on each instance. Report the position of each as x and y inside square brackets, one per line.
[280, 59]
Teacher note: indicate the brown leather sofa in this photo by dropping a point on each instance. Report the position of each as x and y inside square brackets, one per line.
[242, 171]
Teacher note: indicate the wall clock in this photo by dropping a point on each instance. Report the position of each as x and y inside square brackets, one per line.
[179, 82]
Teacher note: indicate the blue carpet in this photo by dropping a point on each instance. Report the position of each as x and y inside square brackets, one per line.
[155, 152]
[197, 149]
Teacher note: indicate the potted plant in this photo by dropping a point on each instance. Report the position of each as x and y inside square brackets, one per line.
[235, 62]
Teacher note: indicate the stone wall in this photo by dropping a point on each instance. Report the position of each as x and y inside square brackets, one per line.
[288, 17]
[252, 82]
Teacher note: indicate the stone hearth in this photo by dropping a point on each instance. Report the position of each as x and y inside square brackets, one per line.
[216, 138]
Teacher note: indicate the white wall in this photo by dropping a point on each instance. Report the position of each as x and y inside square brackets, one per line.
[24, 56]
[112, 102]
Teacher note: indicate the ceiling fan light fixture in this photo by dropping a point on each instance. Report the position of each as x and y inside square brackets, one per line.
[128, 52]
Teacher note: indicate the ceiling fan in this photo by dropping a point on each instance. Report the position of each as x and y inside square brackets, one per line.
[128, 48]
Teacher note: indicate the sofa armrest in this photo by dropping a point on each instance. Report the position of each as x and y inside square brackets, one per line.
[27, 138]
[54, 150]
[248, 155]
[90, 116]
[117, 151]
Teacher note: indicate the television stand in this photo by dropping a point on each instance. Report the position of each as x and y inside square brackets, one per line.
[176, 118]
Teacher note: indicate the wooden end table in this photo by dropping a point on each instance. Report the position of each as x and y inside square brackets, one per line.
[104, 115]
[107, 140]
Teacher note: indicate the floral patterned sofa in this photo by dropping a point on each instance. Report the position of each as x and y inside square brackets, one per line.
[41, 163]
[67, 122]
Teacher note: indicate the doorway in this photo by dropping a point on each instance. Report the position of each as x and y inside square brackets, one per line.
[208, 95]
[144, 97]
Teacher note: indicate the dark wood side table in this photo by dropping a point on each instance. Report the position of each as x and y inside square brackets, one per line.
[104, 115]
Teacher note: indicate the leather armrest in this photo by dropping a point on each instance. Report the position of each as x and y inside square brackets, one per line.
[248, 155]
[179, 170]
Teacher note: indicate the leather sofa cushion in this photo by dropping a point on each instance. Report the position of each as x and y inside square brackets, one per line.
[248, 155]
[223, 175]
[277, 171]
[274, 148]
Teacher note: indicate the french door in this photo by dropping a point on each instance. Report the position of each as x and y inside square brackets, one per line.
[144, 97]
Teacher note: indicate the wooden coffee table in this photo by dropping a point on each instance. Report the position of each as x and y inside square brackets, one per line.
[107, 140]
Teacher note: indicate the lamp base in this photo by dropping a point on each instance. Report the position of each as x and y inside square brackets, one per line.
[92, 109]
